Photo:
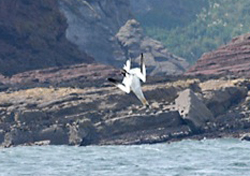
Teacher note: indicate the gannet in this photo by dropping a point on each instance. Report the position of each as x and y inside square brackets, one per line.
[131, 80]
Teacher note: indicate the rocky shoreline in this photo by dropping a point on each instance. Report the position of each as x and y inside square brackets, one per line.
[99, 114]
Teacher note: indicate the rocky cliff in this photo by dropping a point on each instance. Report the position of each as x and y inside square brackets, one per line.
[104, 30]
[230, 59]
[92, 26]
[98, 113]
[32, 36]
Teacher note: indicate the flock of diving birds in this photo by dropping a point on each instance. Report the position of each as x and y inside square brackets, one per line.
[132, 78]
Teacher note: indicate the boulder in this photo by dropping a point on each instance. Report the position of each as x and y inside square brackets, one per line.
[193, 110]
[158, 60]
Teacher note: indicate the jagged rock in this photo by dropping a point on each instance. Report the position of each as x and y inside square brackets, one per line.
[92, 26]
[82, 133]
[229, 59]
[97, 27]
[193, 110]
[157, 58]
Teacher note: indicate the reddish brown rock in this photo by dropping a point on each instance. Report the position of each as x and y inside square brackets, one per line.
[232, 58]
[80, 75]
[32, 36]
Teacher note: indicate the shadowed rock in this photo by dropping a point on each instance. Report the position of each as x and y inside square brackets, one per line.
[144, 128]
[220, 100]
[55, 134]
[36, 39]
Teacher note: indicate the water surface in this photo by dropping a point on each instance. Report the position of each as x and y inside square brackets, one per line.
[217, 157]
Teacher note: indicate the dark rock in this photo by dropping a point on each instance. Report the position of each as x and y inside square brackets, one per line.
[132, 123]
[17, 136]
[82, 133]
[27, 43]
[220, 100]
[193, 110]
[1, 136]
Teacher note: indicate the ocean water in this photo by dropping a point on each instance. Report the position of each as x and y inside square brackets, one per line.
[215, 157]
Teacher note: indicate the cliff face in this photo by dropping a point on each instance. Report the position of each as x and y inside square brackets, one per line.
[50, 33]
[93, 25]
[105, 30]
[32, 35]
[230, 59]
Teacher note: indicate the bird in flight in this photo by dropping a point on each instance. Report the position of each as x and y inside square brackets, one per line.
[132, 80]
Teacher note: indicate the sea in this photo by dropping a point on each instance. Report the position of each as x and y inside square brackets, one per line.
[208, 157]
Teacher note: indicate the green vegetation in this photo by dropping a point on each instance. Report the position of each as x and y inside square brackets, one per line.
[196, 31]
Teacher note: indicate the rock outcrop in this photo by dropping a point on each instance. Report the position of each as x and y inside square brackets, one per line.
[92, 26]
[103, 114]
[105, 30]
[158, 60]
[230, 59]
[193, 110]
[52, 33]
[80, 75]
[33, 36]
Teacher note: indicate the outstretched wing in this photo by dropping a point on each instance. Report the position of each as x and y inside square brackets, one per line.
[125, 85]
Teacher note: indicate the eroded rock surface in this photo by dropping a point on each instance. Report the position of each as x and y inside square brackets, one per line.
[229, 59]
[105, 115]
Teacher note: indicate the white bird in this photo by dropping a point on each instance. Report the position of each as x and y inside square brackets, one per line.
[131, 80]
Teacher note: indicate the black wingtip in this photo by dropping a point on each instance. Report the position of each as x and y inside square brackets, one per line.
[112, 80]
[141, 54]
